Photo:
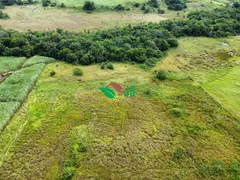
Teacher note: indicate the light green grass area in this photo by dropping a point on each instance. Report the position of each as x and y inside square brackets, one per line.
[37, 60]
[17, 86]
[7, 110]
[71, 130]
[10, 63]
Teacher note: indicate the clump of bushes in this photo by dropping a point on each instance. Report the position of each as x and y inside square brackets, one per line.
[89, 6]
[110, 66]
[77, 72]
[119, 8]
[177, 112]
[176, 5]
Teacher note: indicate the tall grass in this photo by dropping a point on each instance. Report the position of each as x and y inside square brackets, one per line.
[37, 60]
[17, 86]
[7, 111]
[10, 63]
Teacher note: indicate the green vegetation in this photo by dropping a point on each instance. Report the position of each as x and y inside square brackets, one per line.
[141, 43]
[52, 73]
[37, 60]
[89, 6]
[77, 72]
[3, 15]
[176, 5]
[17, 86]
[7, 111]
[109, 66]
[10, 63]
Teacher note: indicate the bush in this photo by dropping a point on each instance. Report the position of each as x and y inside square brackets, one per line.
[46, 3]
[119, 8]
[77, 72]
[136, 5]
[153, 3]
[161, 75]
[3, 15]
[52, 73]
[161, 11]
[89, 6]
[110, 66]
[102, 66]
[236, 5]
[177, 112]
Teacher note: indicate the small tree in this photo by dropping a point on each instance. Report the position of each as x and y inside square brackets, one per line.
[89, 6]
[102, 66]
[236, 4]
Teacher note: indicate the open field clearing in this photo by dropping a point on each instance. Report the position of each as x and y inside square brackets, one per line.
[23, 18]
[212, 63]
[10, 63]
[72, 130]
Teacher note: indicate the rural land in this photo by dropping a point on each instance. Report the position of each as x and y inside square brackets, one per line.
[119, 89]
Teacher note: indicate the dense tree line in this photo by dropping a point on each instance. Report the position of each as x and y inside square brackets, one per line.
[143, 43]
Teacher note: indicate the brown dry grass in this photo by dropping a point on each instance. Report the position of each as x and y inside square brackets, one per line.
[23, 18]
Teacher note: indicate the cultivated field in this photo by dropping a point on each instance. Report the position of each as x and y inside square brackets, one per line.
[173, 129]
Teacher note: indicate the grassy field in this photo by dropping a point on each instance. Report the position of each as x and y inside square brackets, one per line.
[10, 63]
[36, 17]
[70, 129]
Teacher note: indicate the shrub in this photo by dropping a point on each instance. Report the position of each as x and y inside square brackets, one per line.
[177, 112]
[46, 3]
[3, 15]
[102, 66]
[62, 5]
[52, 73]
[161, 75]
[77, 72]
[110, 66]
[161, 11]
[89, 6]
[136, 5]
[119, 8]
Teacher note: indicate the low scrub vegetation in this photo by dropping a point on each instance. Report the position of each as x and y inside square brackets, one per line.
[17, 86]
[3, 15]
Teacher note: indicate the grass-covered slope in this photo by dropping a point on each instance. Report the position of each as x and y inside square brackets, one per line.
[74, 131]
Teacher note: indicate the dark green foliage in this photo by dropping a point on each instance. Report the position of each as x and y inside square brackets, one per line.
[176, 5]
[154, 3]
[177, 112]
[89, 6]
[110, 66]
[236, 4]
[136, 5]
[3, 15]
[161, 11]
[77, 72]
[8, 2]
[178, 153]
[62, 5]
[161, 75]
[102, 66]
[46, 3]
[2, 6]
[52, 73]
[119, 8]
